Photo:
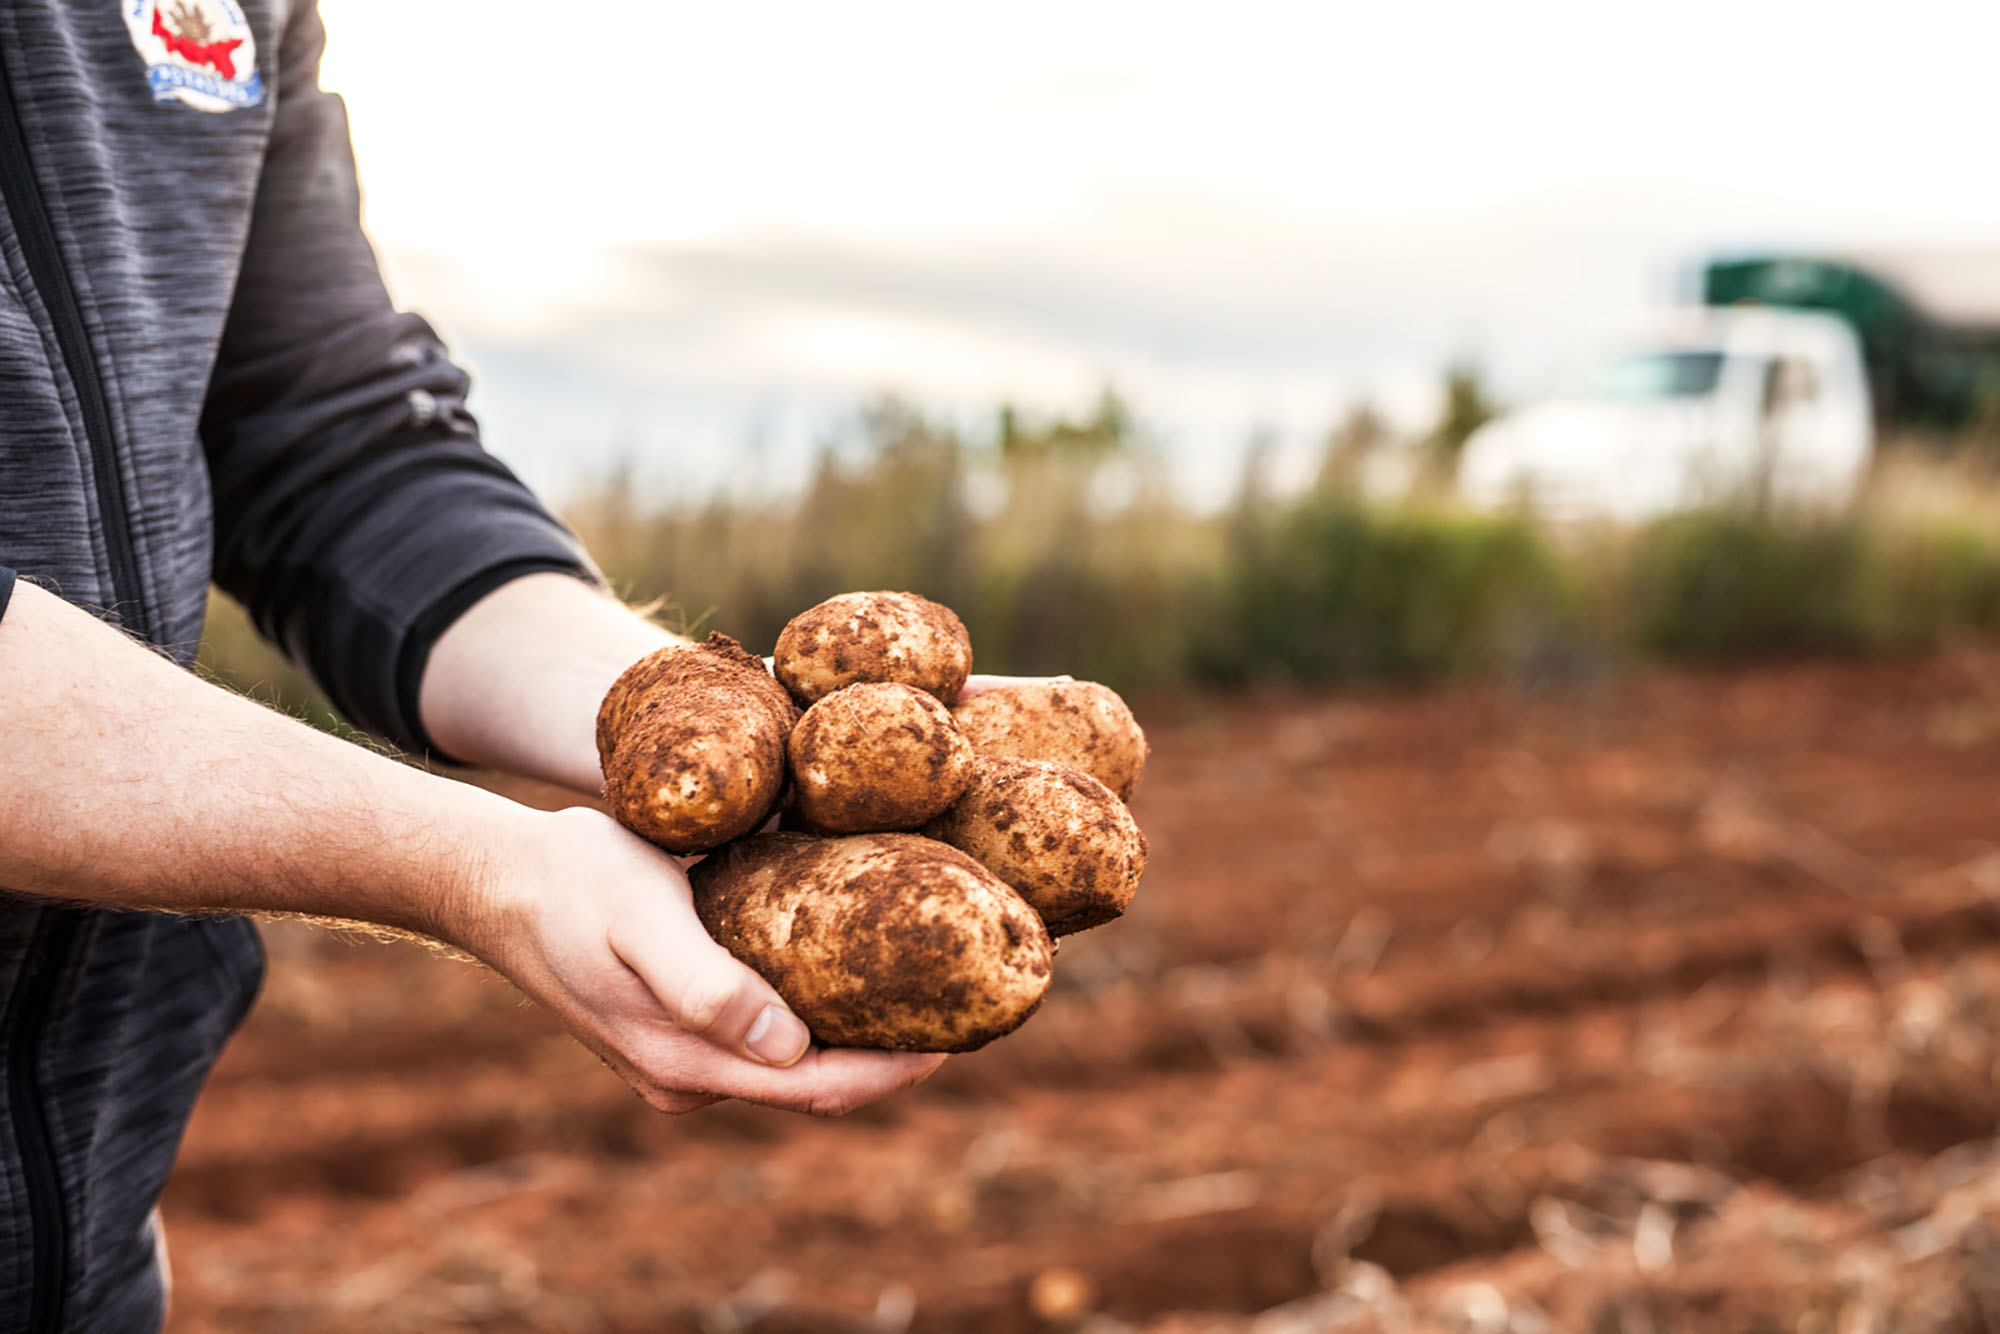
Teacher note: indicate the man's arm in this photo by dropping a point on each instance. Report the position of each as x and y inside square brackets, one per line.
[356, 513]
[357, 517]
[131, 783]
[515, 682]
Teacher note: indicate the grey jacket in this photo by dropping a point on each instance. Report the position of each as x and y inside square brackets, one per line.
[200, 375]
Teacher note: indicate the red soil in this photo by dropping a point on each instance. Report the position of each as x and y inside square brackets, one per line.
[1666, 1004]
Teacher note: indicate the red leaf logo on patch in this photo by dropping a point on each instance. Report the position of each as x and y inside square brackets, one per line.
[189, 39]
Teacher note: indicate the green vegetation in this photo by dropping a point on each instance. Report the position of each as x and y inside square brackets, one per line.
[1466, 409]
[1729, 582]
[1058, 542]
[1332, 590]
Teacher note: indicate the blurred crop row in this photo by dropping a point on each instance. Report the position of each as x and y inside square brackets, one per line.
[1064, 548]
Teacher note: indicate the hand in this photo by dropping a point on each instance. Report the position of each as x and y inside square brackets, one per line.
[976, 683]
[599, 926]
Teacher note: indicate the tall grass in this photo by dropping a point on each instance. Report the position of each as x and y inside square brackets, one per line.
[1059, 543]
[1330, 589]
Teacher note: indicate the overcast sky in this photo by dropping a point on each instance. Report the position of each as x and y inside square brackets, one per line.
[702, 234]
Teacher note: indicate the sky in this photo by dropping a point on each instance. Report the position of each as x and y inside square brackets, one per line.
[696, 238]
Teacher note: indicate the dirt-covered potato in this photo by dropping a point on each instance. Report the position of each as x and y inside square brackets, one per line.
[1062, 839]
[859, 637]
[692, 742]
[876, 757]
[878, 940]
[1079, 723]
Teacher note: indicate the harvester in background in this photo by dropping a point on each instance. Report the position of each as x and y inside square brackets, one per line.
[1928, 321]
[1771, 389]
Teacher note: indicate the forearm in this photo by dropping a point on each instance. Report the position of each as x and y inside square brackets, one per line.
[514, 684]
[132, 783]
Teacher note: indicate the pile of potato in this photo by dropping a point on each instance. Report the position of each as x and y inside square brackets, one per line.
[932, 845]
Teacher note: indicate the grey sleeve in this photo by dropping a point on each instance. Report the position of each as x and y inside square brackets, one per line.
[356, 513]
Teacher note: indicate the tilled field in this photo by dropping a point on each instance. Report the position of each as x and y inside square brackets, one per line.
[1672, 1004]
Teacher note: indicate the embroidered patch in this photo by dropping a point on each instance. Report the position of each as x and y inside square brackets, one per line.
[200, 52]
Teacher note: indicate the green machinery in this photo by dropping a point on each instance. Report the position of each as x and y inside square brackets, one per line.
[1929, 325]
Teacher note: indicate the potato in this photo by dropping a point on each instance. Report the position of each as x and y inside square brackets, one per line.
[692, 743]
[878, 940]
[1059, 837]
[875, 637]
[876, 756]
[1079, 723]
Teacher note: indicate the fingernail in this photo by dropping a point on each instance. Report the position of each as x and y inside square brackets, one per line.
[777, 1038]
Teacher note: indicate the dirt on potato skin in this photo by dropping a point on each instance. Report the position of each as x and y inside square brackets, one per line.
[692, 740]
[879, 637]
[1078, 723]
[1669, 1004]
[876, 757]
[887, 941]
[1060, 838]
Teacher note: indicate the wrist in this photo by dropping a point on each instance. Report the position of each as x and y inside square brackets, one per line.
[514, 683]
[480, 893]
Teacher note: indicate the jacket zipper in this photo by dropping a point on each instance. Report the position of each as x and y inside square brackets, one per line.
[43, 253]
[54, 941]
[48, 1228]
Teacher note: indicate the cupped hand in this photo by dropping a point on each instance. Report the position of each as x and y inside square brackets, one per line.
[976, 683]
[599, 926]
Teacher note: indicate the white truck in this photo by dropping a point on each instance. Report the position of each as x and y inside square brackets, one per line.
[1701, 405]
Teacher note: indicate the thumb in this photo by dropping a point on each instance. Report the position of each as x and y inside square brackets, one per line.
[705, 991]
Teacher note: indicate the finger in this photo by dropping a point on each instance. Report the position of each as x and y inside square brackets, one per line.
[977, 684]
[835, 1081]
[705, 991]
[677, 1103]
[674, 1102]
[827, 1082]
